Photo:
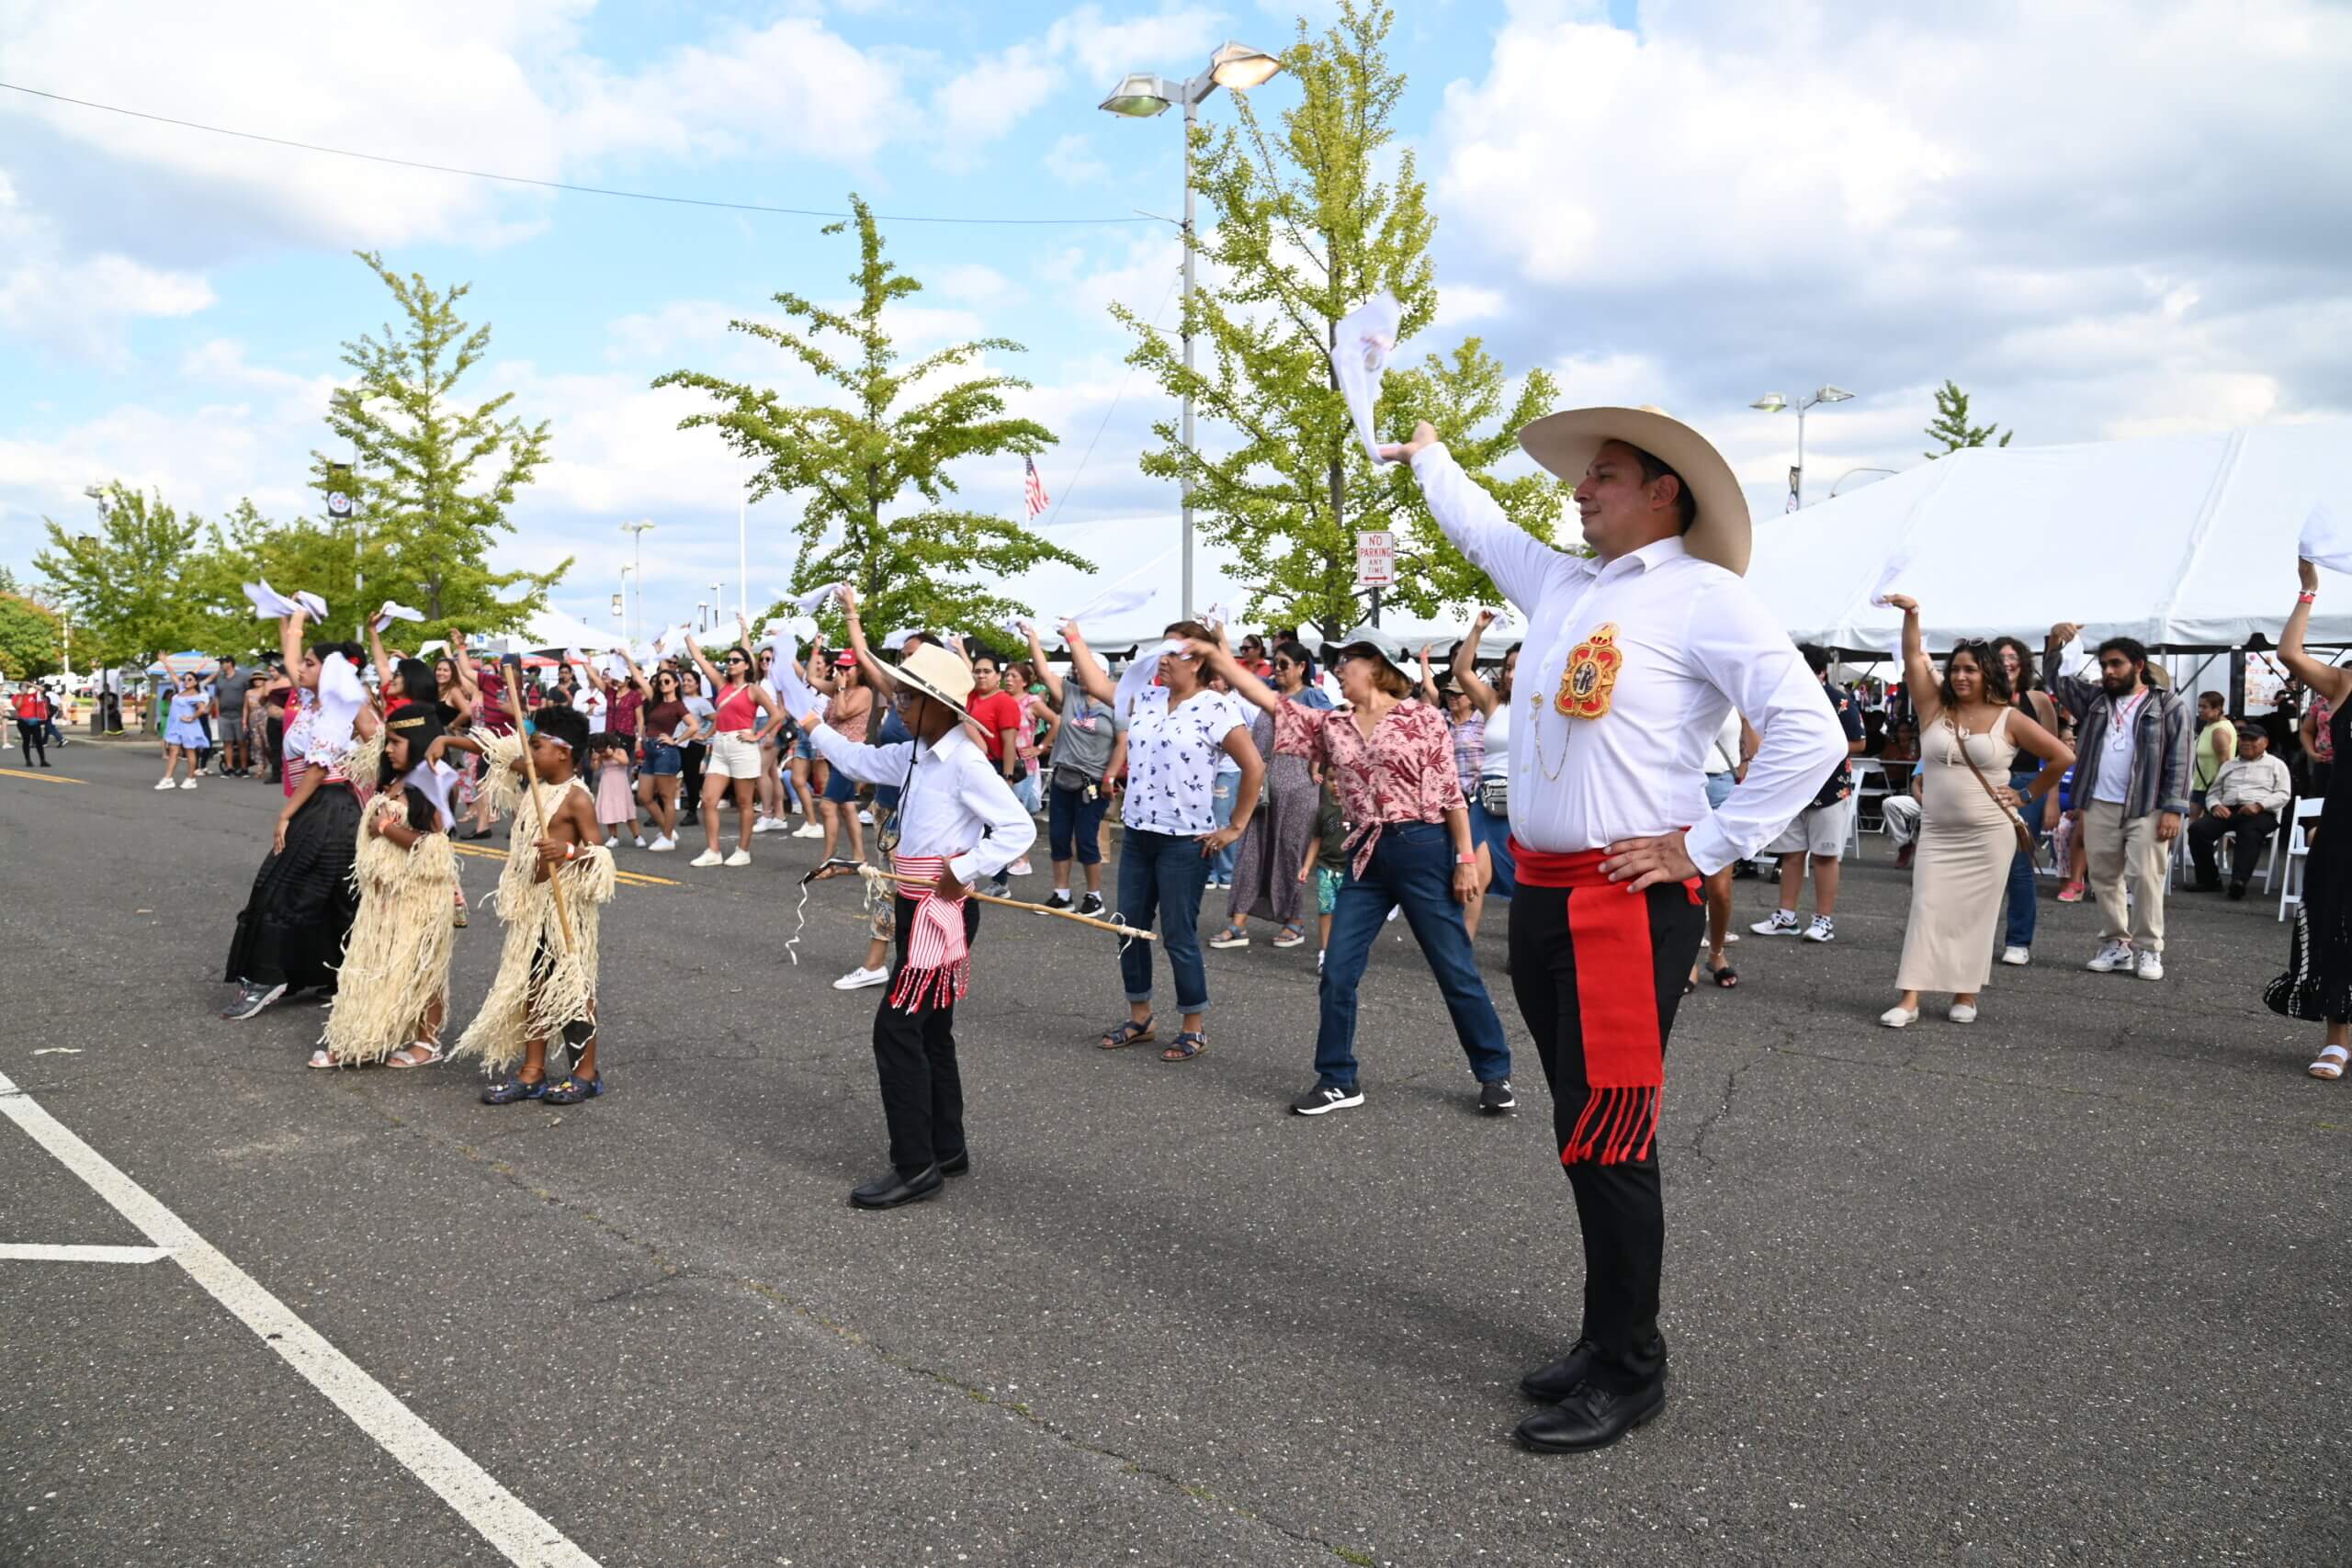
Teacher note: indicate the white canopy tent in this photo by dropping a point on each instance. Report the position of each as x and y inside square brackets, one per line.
[2184, 542]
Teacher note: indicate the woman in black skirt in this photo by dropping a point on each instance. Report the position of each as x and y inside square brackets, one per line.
[2317, 985]
[291, 931]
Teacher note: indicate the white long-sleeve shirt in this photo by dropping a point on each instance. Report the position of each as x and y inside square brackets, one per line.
[2263, 783]
[1696, 642]
[952, 802]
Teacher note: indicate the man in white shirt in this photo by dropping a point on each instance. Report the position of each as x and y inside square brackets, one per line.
[958, 823]
[2243, 805]
[1634, 654]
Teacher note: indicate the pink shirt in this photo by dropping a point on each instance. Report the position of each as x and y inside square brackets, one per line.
[1403, 773]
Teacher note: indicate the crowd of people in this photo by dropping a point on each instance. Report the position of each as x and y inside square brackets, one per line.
[1329, 783]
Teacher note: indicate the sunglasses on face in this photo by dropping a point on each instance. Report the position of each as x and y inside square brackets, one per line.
[737, 659]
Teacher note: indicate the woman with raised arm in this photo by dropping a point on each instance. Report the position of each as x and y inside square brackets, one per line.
[2317, 985]
[1077, 791]
[663, 719]
[745, 716]
[849, 709]
[1176, 728]
[1970, 735]
[291, 933]
[1265, 876]
[1491, 804]
[1392, 760]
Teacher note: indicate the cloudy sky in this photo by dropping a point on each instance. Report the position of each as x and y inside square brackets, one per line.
[2104, 220]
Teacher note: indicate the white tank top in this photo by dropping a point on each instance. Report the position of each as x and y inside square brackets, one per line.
[1498, 759]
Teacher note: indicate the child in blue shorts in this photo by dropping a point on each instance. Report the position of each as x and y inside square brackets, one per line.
[1327, 864]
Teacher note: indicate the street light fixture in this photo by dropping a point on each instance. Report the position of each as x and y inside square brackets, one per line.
[1142, 94]
[1772, 403]
[638, 530]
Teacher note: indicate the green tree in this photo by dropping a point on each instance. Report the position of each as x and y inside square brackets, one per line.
[141, 584]
[8, 582]
[30, 643]
[899, 427]
[1951, 426]
[1305, 231]
[434, 476]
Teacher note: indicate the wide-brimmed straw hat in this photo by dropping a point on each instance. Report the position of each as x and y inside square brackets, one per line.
[937, 674]
[1565, 442]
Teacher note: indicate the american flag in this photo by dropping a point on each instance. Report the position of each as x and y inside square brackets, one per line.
[1033, 488]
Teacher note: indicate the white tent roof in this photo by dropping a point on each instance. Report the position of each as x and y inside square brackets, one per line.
[551, 629]
[2182, 542]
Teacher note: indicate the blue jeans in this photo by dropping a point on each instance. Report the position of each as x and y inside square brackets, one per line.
[1221, 808]
[2022, 891]
[1074, 823]
[1495, 833]
[1412, 866]
[1161, 876]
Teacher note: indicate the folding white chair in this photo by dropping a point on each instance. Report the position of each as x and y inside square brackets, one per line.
[2296, 831]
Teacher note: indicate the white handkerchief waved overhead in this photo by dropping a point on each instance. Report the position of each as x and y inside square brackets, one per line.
[809, 604]
[1367, 337]
[314, 604]
[1890, 574]
[395, 612]
[340, 697]
[270, 605]
[1137, 677]
[2323, 540]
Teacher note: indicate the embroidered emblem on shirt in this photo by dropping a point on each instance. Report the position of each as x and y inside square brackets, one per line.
[1590, 677]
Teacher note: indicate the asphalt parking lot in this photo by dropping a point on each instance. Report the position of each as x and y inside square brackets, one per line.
[2065, 1286]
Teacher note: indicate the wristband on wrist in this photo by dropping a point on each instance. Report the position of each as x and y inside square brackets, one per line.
[1465, 860]
[2306, 596]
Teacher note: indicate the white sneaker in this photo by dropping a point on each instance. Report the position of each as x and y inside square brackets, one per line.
[662, 844]
[1962, 1012]
[765, 825]
[740, 857]
[709, 857]
[637, 838]
[2111, 957]
[807, 830]
[187, 783]
[613, 841]
[1823, 929]
[1019, 867]
[166, 782]
[860, 977]
[1899, 1018]
[2018, 956]
[2150, 965]
[866, 817]
[1784, 922]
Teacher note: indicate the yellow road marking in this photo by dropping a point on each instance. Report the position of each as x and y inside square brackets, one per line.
[43, 778]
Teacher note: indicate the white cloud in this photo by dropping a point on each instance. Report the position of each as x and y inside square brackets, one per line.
[1174, 42]
[1071, 160]
[83, 305]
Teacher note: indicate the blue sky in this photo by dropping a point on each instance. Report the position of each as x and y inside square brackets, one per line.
[2120, 221]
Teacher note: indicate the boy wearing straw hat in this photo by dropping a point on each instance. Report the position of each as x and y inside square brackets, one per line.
[1634, 654]
[958, 824]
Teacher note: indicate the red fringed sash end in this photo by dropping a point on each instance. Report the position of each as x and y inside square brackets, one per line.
[1617, 1127]
[919, 988]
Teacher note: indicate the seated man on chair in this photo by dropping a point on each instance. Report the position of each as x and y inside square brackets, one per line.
[2244, 803]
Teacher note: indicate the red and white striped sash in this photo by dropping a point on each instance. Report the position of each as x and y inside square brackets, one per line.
[938, 965]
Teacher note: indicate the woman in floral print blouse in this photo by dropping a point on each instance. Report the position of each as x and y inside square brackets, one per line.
[1393, 762]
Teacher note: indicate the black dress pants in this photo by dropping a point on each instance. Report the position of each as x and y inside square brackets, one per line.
[2249, 828]
[1620, 1207]
[914, 1054]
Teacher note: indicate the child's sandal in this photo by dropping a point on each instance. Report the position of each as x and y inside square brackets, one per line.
[506, 1092]
[572, 1089]
[1186, 1046]
[423, 1054]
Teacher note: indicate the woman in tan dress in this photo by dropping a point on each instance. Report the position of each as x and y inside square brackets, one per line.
[1966, 837]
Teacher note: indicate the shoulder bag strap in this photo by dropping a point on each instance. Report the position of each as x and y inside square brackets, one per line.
[2017, 819]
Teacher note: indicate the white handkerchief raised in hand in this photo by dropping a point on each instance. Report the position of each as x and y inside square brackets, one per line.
[1367, 336]
[894, 642]
[433, 780]
[2323, 541]
[2076, 659]
[314, 604]
[1896, 565]
[1114, 602]
[1502, 614]
[270, 605]
[802, 628]
[809, 604]
[395, 612]
[1015, 627]
[1137, 677]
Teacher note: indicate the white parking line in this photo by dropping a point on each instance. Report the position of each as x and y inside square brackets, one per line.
[35, 1252]
[501, 1517]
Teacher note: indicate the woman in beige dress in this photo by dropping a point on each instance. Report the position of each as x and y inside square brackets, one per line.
[1966, 837]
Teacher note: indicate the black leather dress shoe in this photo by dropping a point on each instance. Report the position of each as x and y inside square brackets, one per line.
[1590, 1418]
[890, 1191]
[1550, 1384]
[956, 1164]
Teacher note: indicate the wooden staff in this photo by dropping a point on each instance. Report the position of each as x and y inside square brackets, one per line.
[514, 662]
[878, 875]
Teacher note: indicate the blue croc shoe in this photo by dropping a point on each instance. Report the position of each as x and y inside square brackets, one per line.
[571, 1089]
[506, 1092]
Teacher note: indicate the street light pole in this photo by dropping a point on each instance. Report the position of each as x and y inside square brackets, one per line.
[1237, 67]
[1772, 403]
[638, 529]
